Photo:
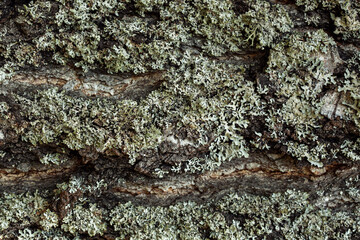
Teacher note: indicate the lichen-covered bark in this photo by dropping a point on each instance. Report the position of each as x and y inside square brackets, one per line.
[201, 119]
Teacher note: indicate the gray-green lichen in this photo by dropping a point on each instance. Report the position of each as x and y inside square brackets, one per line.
[344, 14]
[30, 234]
[76, 184]
[351, 87]
[21, 210]
[287, 215]
[84, 220]
[49, 220]
[53, 158]
[214, 100]
[118, 43]
[207, 101]
[100, 123]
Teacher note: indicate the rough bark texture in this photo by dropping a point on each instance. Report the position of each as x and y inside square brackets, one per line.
[199, 119]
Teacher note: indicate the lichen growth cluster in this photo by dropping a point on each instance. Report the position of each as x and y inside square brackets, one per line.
[30, 234]
[84, 220]
[212, 100]
[53, 158]
[100, 123]
[351, 87]
[200, 93]
[49, 220]
[97, 33]
[77, 184]
[213, 104]
[20, 209]
[344, 15]
[286, 215]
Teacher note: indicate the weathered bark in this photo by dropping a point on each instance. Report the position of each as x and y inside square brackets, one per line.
[242, 121]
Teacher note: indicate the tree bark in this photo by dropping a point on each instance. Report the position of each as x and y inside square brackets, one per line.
[179, 119]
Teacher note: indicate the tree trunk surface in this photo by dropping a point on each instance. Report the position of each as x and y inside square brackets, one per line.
[158, 119]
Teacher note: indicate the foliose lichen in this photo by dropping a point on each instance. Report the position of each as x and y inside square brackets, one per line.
[213, 99]
[206, 93]
[290, 214]
[53, 158]
[84, 220]
[20, 209]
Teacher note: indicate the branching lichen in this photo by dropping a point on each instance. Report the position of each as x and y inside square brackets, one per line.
[212, 101]
[288, 214]
[84, 220]
[81, 122]
[21, 210]
[291, 214]
[53, 158]
[344, 14]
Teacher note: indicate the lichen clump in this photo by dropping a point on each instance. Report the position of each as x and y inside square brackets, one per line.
[238, 77]
[287, 215]
[53, 158]
[20, 209]
[94, 34]
[102, 124]
[84, 220]
[213, 100]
